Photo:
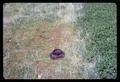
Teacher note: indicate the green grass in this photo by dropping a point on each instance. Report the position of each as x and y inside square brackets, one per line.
[99, 21]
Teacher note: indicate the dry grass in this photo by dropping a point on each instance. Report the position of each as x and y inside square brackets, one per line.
[28, 43]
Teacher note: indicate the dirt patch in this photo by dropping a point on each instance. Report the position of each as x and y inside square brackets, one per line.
[55, 37]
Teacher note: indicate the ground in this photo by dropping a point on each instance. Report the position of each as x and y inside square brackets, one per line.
[33, 30]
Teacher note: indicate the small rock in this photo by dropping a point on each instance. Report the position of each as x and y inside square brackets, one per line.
[57, 53]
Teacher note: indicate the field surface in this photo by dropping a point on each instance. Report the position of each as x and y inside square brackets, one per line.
[85, 32]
